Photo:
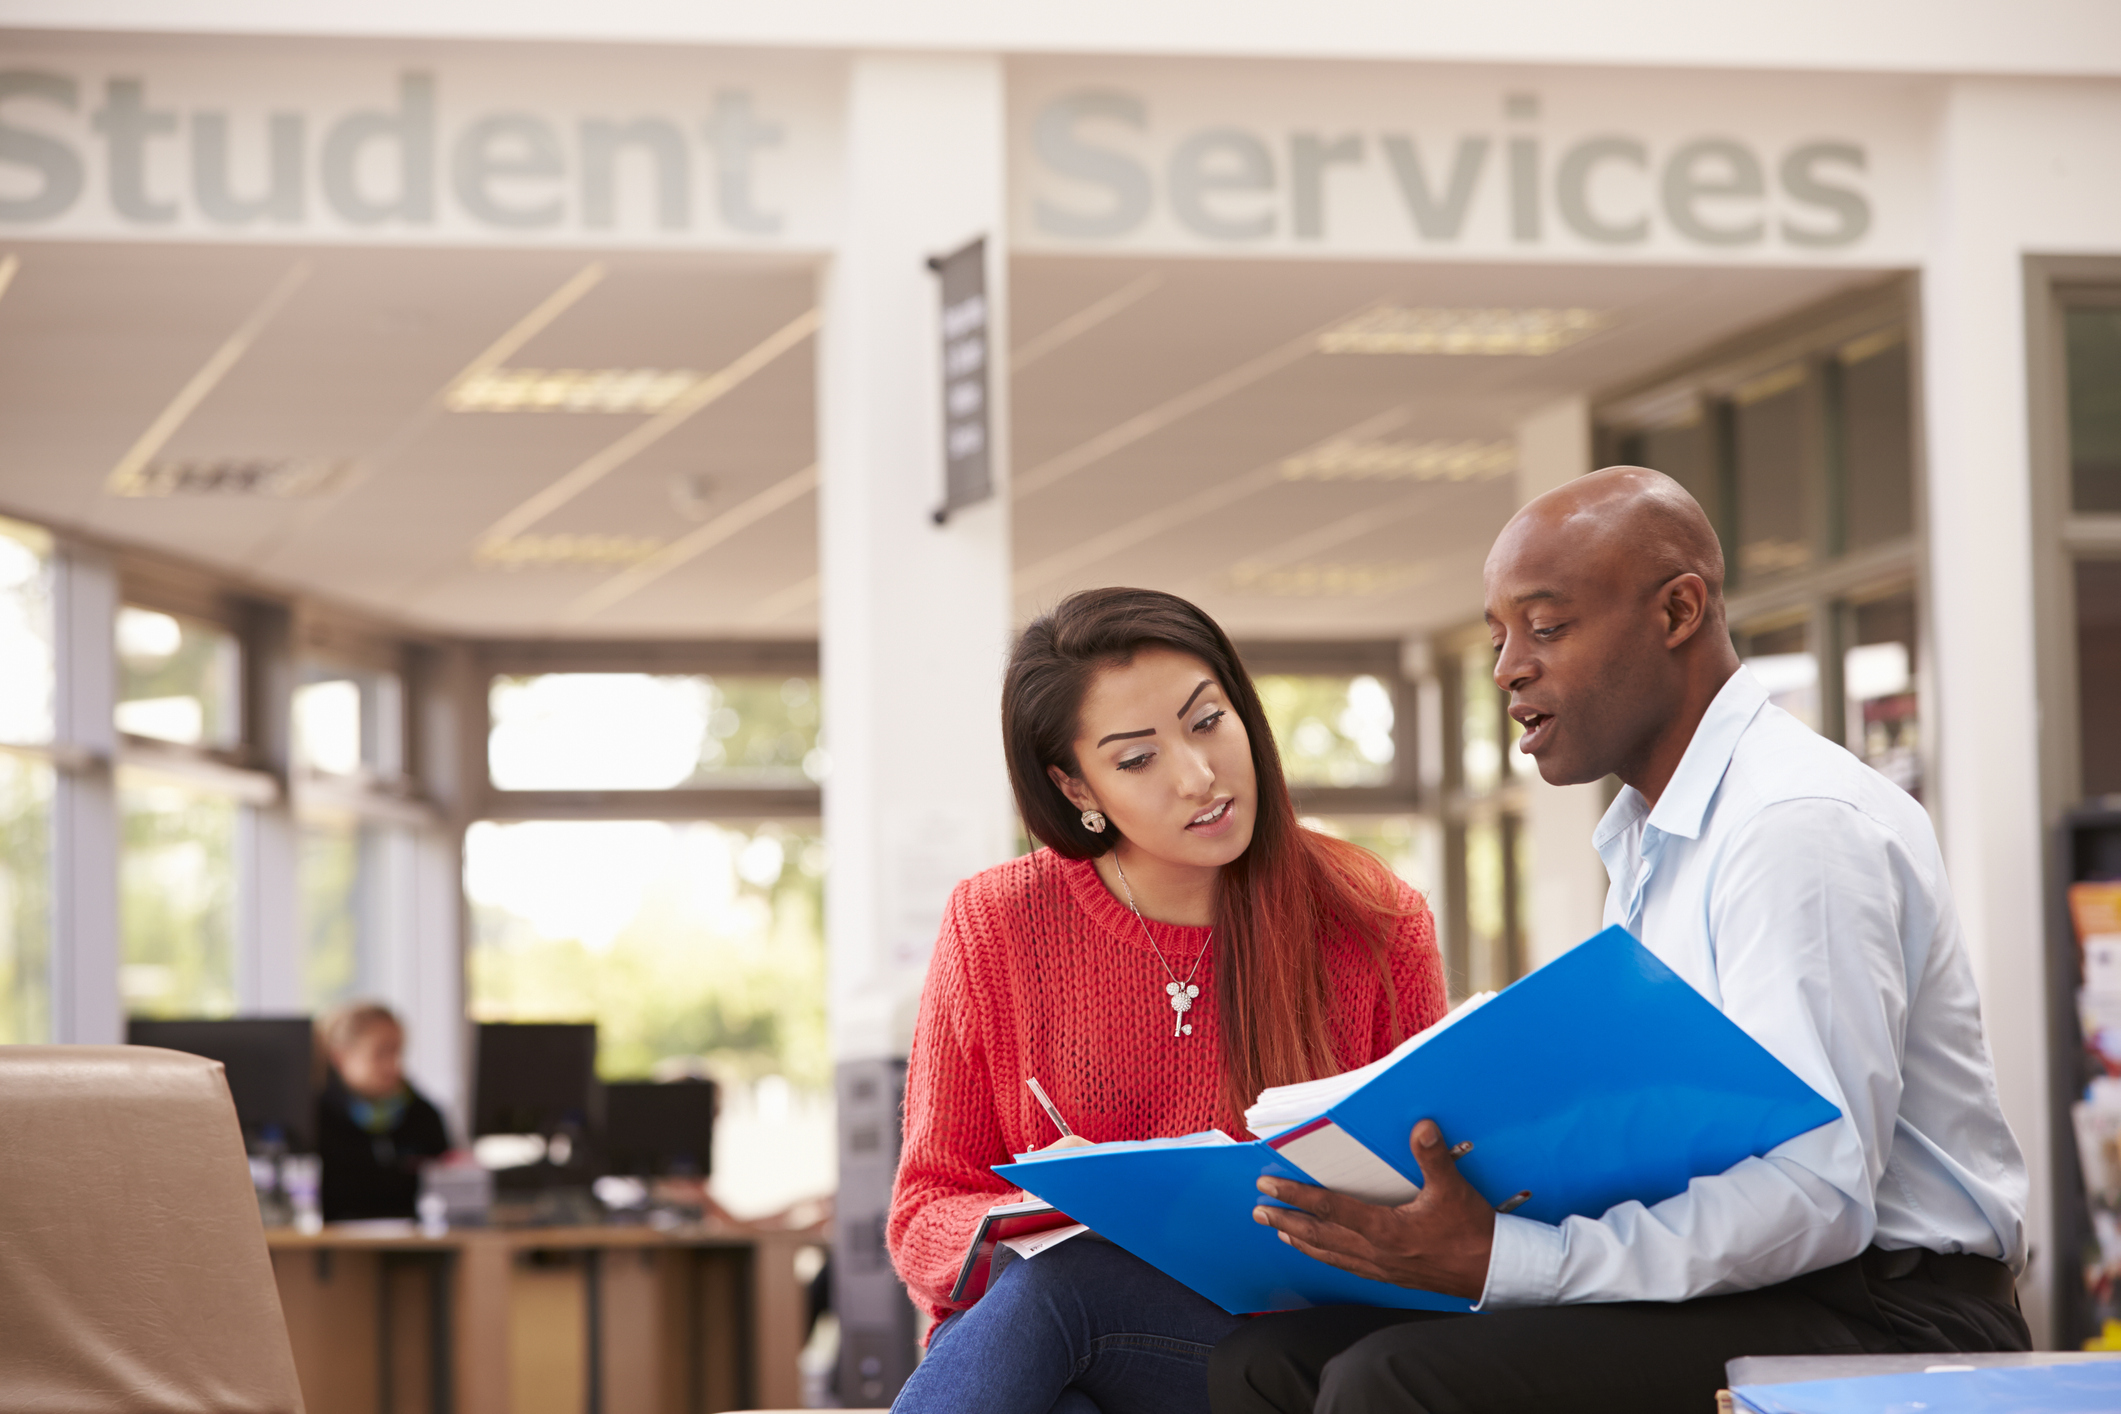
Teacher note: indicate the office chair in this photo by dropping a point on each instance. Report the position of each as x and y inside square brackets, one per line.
[136, 1276]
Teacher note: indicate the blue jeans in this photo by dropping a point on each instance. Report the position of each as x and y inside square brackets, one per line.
[1083, 1328]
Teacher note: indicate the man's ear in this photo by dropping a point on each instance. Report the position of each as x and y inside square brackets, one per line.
[1078, 794]
[1685, 600]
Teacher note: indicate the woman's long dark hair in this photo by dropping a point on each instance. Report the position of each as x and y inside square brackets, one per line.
[1275, 902]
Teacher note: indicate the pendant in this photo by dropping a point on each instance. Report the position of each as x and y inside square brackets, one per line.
[1181, 1003]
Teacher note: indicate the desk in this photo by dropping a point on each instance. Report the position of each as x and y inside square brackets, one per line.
[585, 1320]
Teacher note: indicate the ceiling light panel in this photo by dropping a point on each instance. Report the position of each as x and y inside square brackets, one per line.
[621, 390]
[1328, 581]
[540, 552]
[1392, 329]
[280, 478]
[1373, 460]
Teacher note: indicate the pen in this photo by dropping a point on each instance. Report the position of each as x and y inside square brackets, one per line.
[1053, 1114]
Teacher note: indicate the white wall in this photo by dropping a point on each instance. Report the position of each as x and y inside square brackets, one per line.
[1886, 36]
[2022, 168]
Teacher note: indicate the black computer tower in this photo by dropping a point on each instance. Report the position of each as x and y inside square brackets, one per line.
[879, 1342]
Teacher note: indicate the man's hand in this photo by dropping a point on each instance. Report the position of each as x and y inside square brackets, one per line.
[1069, 1141]
[1439, 1242]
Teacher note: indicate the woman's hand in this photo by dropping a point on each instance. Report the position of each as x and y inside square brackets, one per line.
[1069, 1141]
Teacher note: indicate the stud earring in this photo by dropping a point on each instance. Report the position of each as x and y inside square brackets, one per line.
[1094, 821]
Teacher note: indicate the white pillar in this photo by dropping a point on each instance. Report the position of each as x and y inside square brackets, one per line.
[1986, 710]
[86, 1007]
[913, 623]
[914, 617]
[1567, 881]
[269, 940]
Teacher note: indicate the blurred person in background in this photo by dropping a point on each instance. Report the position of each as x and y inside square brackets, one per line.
[373, 1129]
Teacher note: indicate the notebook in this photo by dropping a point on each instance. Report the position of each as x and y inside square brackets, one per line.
[1600, 1078]
[1030, 1225]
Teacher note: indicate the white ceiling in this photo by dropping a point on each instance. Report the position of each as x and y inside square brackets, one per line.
[1150, 456]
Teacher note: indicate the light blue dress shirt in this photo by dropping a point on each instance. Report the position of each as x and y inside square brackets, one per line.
[1804, 895]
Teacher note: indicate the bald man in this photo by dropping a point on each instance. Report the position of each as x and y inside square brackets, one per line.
[1800, 892]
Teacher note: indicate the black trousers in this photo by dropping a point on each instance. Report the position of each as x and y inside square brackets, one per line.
[1638, 1357]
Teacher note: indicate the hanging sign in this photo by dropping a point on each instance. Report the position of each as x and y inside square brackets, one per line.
[967, 466]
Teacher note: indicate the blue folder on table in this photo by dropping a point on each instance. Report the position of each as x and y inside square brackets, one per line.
[2088, 1388]
[1599, 1078]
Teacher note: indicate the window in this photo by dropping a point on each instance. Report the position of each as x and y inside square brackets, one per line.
[1876, 442]
[1772, 445]
[329, 872]
[25, 899]
[1411, 845]
[181, 810]
[1683, 448]
[1342, 718]
[686, 781]
[176, 898]
[27, 675]
[2092, 335]
[352, 804]
[1333, 730]
[1488, 912]
[346, 721]
[179, 680]
[349, 872]
[701, 951]
[2090, 319]
[1803, 457]
[554, 732]
[1781, 657]
[255, 819]
[2098, 674]
[1881, 714]
[1480, 920]
[26, 662]
[1483, 711]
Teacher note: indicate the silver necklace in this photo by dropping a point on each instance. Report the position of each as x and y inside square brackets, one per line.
[1180, 993]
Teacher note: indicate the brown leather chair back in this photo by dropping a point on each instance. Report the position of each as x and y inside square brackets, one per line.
[133, 1270]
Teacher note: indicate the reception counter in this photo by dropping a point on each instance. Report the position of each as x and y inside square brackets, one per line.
[586, 1320]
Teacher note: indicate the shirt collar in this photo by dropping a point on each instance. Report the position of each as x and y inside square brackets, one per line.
[1685, 803]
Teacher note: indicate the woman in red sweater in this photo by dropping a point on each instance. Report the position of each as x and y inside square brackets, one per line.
[1179, 944]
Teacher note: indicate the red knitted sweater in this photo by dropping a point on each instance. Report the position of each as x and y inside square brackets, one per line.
[1039, 971]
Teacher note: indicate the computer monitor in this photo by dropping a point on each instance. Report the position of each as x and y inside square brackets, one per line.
[271, 1064]
[536, 1077]
[653, 1129]
[539, 1077]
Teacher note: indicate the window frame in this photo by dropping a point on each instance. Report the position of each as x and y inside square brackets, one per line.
[2064, 534]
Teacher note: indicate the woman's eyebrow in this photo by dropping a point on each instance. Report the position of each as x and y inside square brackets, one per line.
[1122, 736]
[1205, 684]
